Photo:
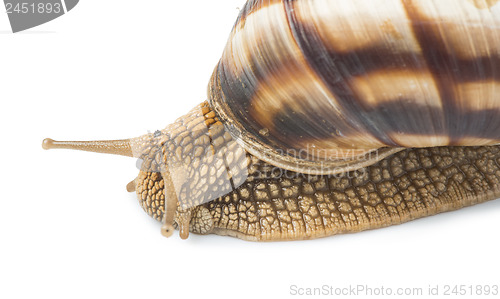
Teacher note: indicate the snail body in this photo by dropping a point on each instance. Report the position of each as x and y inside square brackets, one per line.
[331, 116]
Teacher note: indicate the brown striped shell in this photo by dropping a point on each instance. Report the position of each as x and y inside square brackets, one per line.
[321, 86]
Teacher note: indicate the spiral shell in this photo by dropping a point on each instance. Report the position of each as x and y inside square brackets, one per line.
[324, 82]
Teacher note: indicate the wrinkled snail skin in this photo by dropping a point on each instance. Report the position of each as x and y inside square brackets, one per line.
[274, 204]
[331, 116]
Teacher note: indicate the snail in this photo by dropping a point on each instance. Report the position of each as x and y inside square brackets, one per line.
[330, 116]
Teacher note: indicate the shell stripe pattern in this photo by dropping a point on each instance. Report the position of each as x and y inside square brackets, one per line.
[375, 73]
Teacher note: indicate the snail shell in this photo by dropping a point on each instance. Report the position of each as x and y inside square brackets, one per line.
[316, 86]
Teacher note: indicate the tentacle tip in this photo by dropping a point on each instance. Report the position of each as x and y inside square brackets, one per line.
[167, 230]
[47, 143]
[184, 234]
[131, 186]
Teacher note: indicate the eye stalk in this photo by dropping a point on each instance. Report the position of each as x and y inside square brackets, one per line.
[114, 147]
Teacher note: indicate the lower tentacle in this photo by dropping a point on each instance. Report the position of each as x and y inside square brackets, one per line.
[170, 205]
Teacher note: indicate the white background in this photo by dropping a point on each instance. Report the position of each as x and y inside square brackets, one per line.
[68, 229]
